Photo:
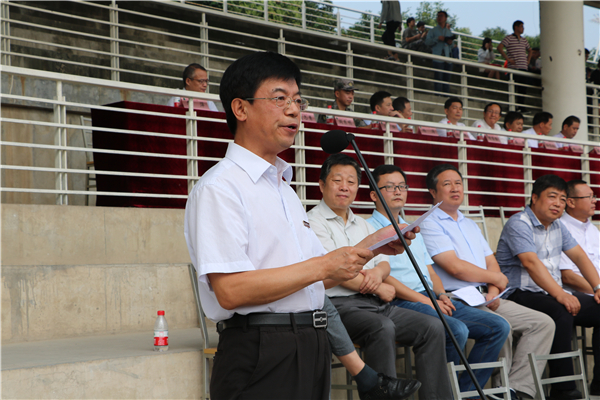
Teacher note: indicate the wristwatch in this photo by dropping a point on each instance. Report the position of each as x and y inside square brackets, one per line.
[596, 288]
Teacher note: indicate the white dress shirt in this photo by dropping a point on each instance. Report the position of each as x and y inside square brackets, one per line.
[443, 132]
[532, 143]
[177, 99]
[558, 144]
[333, 234]
[243, 216]
[587, 236]
[480, 123]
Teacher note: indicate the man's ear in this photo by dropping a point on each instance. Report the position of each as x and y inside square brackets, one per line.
[534, 198]
[374, 196]
[239, 109]
[321, 186]
[432, 193]
[570, 203]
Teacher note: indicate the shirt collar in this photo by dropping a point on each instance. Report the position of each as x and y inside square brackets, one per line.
[536, 222]
[256, 166]
[379, 217]
[328, 213]
[441, 214]
[575, 222]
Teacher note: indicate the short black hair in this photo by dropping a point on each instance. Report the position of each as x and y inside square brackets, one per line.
[338, 159]
[541, 117]
[570, 120]
[511, 117]
[190, 70]
[571, 186]
[451, 100]
[432, 176]
[444, 12]
[517, 23]
[399, 103]
[487, 106]
[485, 41]
[409, 20]
[378, 98]
[242, 79]
[420, 23]
[536, 49]
[547, 181]
[385, 169]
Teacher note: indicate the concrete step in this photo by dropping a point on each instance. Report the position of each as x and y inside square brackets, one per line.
[123, 366]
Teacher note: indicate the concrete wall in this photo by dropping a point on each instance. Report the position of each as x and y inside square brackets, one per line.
[73, 271]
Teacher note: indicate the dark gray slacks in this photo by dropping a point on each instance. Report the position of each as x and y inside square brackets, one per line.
[376, 326]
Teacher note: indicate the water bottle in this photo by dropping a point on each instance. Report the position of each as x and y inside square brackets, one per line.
[161, 333]
[329, 118]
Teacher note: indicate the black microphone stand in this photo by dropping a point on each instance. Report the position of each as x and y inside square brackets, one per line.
[430, 293]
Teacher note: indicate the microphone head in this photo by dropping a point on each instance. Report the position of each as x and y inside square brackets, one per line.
[335, 141]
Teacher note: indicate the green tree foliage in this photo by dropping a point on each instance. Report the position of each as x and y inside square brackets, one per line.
[496, 33]
[534, 41]
[362, 28]
[427, 12]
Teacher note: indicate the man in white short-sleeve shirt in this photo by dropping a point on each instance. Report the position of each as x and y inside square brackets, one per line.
[195, 79]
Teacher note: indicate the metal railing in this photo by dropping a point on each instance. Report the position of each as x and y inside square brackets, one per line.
[133, 42]
[45, 156]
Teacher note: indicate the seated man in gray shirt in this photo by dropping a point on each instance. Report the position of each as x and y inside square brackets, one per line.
[529, 254]
[364, 302]
[413, 39]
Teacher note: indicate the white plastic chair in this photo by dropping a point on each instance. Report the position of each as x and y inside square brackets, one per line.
[503, 389]
[540, 382]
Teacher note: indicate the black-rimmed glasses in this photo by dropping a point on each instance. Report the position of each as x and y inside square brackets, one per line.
[393, 188]
[284, 101]
[591, 197]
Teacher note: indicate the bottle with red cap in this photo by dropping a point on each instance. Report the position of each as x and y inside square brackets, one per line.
[161, 333]
[329, 117]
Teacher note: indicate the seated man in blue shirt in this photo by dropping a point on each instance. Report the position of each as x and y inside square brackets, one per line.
[462, 257]
[488, 330]
[529, 253]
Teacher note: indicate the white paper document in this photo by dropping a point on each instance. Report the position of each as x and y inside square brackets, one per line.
[406, 229]
[473, 297]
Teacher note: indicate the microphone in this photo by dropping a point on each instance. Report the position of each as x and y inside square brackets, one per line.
[335, 141]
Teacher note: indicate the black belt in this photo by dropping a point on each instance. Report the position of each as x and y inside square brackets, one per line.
[316, 319]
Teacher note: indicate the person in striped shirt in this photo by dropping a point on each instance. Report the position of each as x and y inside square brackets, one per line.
[518, 55]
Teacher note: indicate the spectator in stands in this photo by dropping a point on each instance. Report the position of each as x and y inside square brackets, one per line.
[455, 49]
[243, 274]
[343, 90]
[581, 204]
[402, 105]
[518, 55]
[381, 104]
[491, 115]
[595, 75]
[535, 63]
[488, 330]
[485, 55]
[363, 303]
[436, 40]
[453, 108]
[513, 121]
[462, 258]
[542, 125]
[529, 253]
[413, 39]
[195, 78]
[570, 126]
[421, 28]
[391, 14]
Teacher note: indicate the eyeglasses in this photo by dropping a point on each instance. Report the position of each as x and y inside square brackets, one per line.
[202, 81]
[591, 197]
[393, 188]
[284, 101]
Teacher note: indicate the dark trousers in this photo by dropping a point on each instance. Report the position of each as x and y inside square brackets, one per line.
[441, 76]
[272, 363]
[389, 36]
[521, 80]
[588, 316]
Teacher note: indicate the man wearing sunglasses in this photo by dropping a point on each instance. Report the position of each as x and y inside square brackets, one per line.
[195, 79]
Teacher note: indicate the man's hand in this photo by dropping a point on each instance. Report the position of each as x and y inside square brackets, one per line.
[395, 113]
[570, 302]
[597, 296]
[386, 292]
[511, 61]
[500, 281]
[445, 305]
[371, 282]
[441, 38]
[493, 305]
[345, 263]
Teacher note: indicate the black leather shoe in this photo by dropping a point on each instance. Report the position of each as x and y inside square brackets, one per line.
[391, 388]
[565, 394]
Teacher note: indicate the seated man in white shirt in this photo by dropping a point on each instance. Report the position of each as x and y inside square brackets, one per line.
[381, 104]
[570, 126]
[364, 302]
[462, 258]
[402, 105]
[581, 204]
[195, 78]
[262, 271]
[453, 108]
[513, 121]
[542, 125]
[491, 115]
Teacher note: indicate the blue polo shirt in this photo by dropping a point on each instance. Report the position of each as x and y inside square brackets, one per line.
[525, 233]
[400, 265]
[442, 233]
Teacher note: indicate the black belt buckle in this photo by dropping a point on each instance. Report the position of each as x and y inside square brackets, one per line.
[320, 319]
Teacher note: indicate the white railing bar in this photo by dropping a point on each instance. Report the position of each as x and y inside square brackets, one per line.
[93, 193]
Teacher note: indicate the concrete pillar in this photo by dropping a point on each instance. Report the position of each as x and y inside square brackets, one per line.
[563, 64]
